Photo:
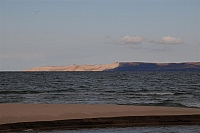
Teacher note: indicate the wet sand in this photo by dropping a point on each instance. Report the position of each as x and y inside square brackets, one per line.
[16, 117]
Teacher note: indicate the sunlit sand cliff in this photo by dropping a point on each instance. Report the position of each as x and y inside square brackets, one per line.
[76, 67]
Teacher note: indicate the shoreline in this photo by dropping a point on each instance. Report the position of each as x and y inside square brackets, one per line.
[123, 66]
[19, 117]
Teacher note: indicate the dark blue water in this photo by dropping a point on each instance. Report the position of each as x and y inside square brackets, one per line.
[156, 129]
[179, 89]
[176, 89]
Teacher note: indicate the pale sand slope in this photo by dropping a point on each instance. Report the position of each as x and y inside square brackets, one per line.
[12, 113]
[76, 68]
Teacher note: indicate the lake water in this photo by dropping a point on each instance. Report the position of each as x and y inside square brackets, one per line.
[155, 129]
[174, 89]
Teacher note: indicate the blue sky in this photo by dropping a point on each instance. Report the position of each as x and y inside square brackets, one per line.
[65, 32]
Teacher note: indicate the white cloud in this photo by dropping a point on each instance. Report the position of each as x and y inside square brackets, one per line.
[131, 40]
[168, 40]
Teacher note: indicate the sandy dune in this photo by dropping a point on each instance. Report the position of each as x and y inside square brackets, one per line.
[75, 67]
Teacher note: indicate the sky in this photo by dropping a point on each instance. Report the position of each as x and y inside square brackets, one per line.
[66, 32]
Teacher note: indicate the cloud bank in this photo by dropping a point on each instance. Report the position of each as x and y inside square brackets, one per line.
[167, 40]
[139, 39]
[131, 40]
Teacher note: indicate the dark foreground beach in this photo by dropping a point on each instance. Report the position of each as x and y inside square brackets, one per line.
[19, 117]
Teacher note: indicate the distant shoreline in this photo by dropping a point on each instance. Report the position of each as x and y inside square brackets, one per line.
[124, 66]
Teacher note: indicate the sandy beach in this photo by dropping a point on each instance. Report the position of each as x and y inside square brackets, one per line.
[39, 116]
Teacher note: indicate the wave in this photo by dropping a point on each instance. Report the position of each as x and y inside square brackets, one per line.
[35, 91]
[19, 92]
[156, 93]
